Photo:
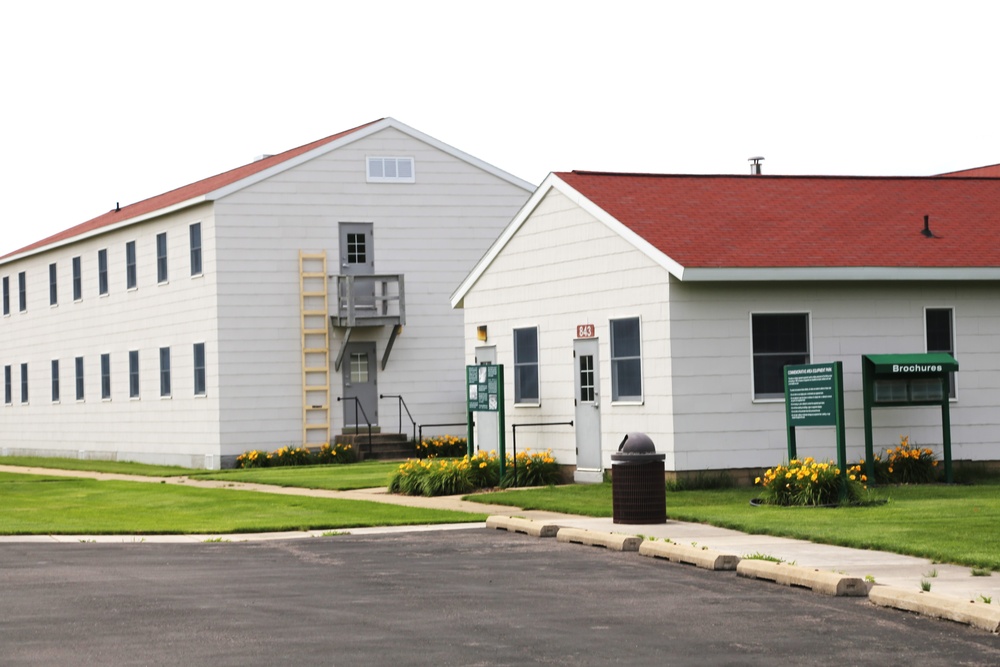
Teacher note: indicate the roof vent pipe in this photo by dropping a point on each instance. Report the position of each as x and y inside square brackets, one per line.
[755, 165]
[927, 227]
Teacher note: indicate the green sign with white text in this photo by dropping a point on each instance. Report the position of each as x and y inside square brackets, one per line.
[810, 396]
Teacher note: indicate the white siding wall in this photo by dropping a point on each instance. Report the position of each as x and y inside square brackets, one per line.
[433, 231]
[563, 268]
[718, 425]
[180, 430]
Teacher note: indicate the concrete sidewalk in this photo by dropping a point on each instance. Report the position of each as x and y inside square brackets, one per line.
[893, 571]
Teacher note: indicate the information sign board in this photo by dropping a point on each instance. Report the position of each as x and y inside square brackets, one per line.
[809, 390]
[483, 384]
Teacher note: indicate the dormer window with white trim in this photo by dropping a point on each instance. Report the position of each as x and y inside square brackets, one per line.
[390, 170]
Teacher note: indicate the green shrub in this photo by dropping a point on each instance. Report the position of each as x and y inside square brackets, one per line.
[455, 476]
[335, 453]
[809, 482]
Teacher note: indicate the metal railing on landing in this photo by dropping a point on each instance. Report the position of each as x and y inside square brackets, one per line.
[513, 430]
[360, 411]
[403, 406]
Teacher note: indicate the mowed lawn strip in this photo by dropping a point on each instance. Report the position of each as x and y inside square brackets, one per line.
[337, 477]
[43, 505]
[951, 524]
[116, 467]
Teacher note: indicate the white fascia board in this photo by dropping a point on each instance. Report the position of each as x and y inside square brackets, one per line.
[553, 182]
[107, 228]
[356, 136]
[840, 273]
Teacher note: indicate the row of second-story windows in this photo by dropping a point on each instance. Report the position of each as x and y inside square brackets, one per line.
[103, 282]
[164, 377]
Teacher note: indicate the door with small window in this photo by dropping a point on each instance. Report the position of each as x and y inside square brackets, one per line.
[588, 404]
[360, 397]
[357, 258]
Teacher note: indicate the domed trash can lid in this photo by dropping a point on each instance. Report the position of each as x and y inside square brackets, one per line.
[637, 448]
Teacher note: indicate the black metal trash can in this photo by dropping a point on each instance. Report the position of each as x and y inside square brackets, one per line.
[638, 491]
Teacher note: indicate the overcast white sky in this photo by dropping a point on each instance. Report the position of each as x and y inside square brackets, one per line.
[106, 102]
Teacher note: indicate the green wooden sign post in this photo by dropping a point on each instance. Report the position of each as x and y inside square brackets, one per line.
[814, 396]
[484, 385]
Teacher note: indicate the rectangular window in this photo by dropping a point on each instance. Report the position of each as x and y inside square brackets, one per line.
[130, 276]
[55, 380]
[133, 374]
[390, 170]
[77, 280]
[779, 339]
[105, 376]
[626, 360]
[78, 364]
[102, 272]
[164, 371]
[195, 235]
[526, 365]
[53, 289]
[6, 295]
[161, 257]
[199, 369]
[7, 392]
[24, 383]
[940, 336]
[22, 292]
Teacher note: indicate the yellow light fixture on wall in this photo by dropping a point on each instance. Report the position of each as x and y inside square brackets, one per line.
[481, 333]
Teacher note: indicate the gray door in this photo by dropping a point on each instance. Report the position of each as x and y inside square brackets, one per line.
[486, 422]
[357, 258]
[359, 372]
[588, 404]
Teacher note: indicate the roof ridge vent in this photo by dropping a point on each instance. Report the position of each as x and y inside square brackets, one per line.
[755, 165]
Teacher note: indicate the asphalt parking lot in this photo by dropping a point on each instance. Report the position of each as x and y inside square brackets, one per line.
[465, 597]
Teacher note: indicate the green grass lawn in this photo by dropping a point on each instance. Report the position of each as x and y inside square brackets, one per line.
[43, 505]
[334, 477]
[118, 467]
[953, 524]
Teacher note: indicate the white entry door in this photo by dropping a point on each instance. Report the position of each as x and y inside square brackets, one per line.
[588, 410]
[486, 422]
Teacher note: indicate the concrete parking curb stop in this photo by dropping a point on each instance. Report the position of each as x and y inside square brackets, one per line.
[615, 541]
[702, 557]
[818, 581]
[983, 616]
[526, 526]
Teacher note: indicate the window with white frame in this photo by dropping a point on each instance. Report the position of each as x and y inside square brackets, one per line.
[6, 295]
[940, 329]
[526, 365]
[161, 257]
[8, 397]
[165, 371]
[131, 279]
[55, 380]
[78, 370]
[194, 235]
[105, 376]
[53, 285]
[778, 340]
[199, 369]
[77, 279]
[102, 272]
[24, 383]
[133, 374]
[626, 360]
[22, 291]
[390, 170]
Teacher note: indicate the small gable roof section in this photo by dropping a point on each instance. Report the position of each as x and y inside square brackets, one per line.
[773, 228]
[795, 227]
[217, 186]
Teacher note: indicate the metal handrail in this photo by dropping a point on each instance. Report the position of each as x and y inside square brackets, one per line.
[402, 406]
[513, 430]
[357, 406]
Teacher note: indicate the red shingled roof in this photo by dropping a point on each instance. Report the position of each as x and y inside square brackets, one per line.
[804, 221]
[991, 171]
[182, 194]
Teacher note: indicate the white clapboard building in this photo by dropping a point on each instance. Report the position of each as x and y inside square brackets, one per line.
[669, 305]
[266, 306]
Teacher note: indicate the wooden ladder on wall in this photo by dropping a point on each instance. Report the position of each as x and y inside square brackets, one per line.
[315, 312]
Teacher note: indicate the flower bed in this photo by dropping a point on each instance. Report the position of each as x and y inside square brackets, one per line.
[296, 456]
[445, 477]
[906, 464]
[809, 482]
[442, 445]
